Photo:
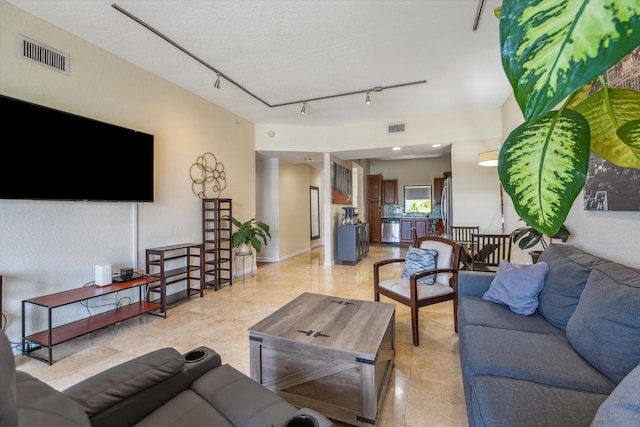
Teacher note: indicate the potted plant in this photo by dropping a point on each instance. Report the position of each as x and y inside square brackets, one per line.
[553, 53]
[527, 237]
[249, 233]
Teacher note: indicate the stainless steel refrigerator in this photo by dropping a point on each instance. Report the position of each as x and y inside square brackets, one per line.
[447, 206]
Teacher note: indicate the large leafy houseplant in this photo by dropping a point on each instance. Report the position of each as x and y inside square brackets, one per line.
[250, 233]
[553, 51]
[527, 236]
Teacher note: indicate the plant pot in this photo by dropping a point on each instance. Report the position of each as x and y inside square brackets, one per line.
[244, 249]
[535, 255]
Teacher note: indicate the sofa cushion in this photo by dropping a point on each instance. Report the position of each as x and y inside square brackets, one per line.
[502, 401]
[517, 286]
[569, 268]
[229, 390]
[126, 379]
[186, 409]
[473, 310]
[418, 260]
[605, 328]
[622, 407]
[39, 404]
[543, 358]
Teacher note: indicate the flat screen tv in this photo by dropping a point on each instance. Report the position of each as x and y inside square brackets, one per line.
[49, 154]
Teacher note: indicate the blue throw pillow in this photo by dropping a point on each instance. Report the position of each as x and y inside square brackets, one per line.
[418, 260]
[517, 286]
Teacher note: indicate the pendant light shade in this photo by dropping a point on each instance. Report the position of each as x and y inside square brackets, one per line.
[488, 158]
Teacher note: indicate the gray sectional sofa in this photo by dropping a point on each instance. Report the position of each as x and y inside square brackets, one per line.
[160, 388]
[573, 362]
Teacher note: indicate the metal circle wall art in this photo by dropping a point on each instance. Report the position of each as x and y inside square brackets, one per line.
[207, 176]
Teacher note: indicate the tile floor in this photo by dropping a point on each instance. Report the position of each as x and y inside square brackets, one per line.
[426, 385]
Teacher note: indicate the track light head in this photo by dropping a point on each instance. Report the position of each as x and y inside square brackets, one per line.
[304, 107]
[217, 83]
[368, 99]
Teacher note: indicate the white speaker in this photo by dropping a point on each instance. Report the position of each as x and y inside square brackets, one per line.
[103, 274]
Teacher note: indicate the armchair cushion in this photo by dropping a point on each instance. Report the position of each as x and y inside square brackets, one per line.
[126, 379]
[418, 260]
[517, 286]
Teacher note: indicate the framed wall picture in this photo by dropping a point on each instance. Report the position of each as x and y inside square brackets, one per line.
[341, 185]
[609, 187]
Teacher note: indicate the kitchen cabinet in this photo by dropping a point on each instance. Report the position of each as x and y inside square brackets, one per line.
[390, 191]
[406, 237]
[374, 207]
[423, 226]
[374, 185]
[438, 186]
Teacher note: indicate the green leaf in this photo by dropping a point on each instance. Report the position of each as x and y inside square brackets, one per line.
[580, 95]
[630, 134]
[550, 48]
[607, 110]
[543, 166]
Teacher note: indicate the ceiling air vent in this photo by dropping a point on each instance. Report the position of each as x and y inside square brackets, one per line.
[34, 51]
[398, 127]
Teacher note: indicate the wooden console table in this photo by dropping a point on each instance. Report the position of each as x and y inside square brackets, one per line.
[59, 334]
[330, 354]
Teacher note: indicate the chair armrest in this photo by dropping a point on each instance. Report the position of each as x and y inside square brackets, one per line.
[126, 393]
[423, 273]
[474, 283]
[379, 264]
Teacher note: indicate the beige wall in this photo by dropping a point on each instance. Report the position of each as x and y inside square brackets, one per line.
[611, 234]
[51, 246]
[282, 193]
[295, 180]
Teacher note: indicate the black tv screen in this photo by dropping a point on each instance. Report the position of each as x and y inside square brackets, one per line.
[49, 154]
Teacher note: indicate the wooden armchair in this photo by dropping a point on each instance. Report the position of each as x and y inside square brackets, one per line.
[487, 250]
[462, 234]
[415, 295]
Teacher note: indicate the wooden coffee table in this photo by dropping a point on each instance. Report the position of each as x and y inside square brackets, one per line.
[326, 353]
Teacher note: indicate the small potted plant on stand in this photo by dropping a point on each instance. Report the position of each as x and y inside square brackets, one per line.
[249, 233]
[527, 237]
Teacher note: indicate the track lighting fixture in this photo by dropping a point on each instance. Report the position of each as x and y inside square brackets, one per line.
[236, 84]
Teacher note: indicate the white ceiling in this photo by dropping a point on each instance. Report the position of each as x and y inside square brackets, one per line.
[291, 50]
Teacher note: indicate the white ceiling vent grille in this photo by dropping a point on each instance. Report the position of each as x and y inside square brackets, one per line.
[34, 51]
[395, 128]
